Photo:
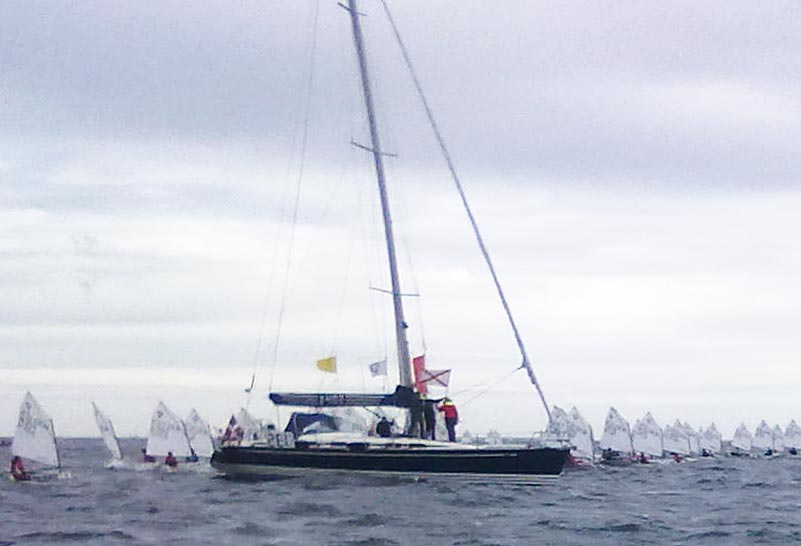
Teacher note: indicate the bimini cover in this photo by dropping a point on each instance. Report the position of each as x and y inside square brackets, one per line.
[106, 429]
[199, 434]
[674, 440]
[167, 433]
[711, 439]
[778, 438]
[647, 436]
[792, 435]
[742, 439]
[35, 437]
[763, 437]
[617, 434]
[582, 439]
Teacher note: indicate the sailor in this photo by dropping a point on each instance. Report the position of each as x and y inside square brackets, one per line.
[193, 458]
[170, 460]
[643, 458]
[430, 419]
[384, 428]
[147, 458]
[18, 470]
[448, 409]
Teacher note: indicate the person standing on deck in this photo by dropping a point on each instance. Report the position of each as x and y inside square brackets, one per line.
[448, 409]
[430, 419]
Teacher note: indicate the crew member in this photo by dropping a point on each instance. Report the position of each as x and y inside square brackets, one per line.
[193, 458]
[147, 458]
[448, 409]
[384, 428]
[430, 419]
[170, 460]
[18, 470]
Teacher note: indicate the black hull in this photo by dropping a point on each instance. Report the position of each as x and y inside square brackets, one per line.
[237, 461]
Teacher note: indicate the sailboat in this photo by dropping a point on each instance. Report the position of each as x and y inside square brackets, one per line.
[792, 438]
[167, 434]
[408, 454]
[742, 441]
[646, 437]
[675, 441]
[108, 434]
[711, 441]
[615, 442]
[199, 434]
[762, 443]
[35, 436]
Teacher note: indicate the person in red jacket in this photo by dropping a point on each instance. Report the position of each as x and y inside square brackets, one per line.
[18, 470]
[170, 460]
[448, 409]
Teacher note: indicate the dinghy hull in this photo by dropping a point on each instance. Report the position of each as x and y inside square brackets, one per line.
[248, 461]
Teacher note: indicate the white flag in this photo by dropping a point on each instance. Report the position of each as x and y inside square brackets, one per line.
[378, 368]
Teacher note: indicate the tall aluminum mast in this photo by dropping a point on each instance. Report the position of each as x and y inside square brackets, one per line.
[404, 363]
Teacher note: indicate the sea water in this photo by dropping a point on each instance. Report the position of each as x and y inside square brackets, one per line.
[721, 501]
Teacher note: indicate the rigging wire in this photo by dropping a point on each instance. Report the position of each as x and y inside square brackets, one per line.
[526, 364]
[303, 146]
[493, 384]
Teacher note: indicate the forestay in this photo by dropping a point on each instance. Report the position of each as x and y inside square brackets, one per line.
[617, 433]
[107, 433]
[199, 434]
[763, 437]
[792, 436]
[742, 439]
[674, 440]
[35, 437]
[647, 436]
[167, 434]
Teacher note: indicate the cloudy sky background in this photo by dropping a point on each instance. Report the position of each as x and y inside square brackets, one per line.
[634, 169]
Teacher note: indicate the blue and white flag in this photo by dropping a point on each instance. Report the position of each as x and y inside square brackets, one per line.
[378, 368]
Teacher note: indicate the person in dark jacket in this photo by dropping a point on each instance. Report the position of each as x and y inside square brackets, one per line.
[430, 419]
[384, 428]
[448, 409]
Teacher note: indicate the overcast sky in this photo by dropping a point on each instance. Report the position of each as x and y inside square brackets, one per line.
[634, 169]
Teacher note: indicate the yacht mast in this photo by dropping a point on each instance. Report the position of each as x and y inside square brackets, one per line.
[404, 363]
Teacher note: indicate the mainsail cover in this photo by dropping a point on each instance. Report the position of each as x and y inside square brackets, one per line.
[35, 437]
[675, 440]
[742, 439]
[167, 433]
[107, 433]
[583, 441]
[647, 436]
[792, 435]
[617, 434]
[199, 434]
[711, 439]
[763, 437]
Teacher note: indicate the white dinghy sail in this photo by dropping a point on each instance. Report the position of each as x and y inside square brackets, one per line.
[778, 439]
[647, 436]
[167, 434]
[693, 438]
[742, 440]
[199, 434]
[675, 441]
[792, 436]
[763, 438]
[617, 434]
[35, 436]
[712, 440]
[106, 429]
[583, 440]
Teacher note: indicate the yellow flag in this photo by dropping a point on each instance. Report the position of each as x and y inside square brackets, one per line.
[328, 364]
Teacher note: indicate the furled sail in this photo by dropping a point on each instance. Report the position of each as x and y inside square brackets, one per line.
[711, 439]
[778, 439]
[617, 434]
[199, 434]
[647, 436]
[742, 439]
[763, 437]
[582, 440]
[107, 433]
[675, 440]
[35, 437]
[792, 436]
[167, 433]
